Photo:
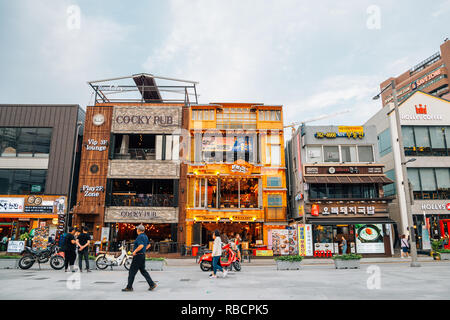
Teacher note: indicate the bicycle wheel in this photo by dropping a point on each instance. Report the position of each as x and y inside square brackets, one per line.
[101, 262]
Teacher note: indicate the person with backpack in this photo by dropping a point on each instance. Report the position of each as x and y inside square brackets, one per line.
[70, 247]
[405, 247]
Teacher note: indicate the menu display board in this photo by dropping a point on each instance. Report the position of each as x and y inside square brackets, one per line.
[40, 240]
[369, 238]
[293, 242]
[280, 242]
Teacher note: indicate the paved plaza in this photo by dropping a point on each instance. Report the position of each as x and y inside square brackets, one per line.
[183, 279]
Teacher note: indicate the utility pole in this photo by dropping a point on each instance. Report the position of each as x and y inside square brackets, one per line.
[405, 182]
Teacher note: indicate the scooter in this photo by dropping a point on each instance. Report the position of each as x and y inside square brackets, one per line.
[205, 261]
[105, 260]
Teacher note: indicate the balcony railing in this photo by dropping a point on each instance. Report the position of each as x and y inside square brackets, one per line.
[136, 154]
[143, 200]
[275, 214]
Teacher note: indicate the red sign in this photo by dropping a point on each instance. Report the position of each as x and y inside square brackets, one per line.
[315, 210]
[448, 206]
[421, 109]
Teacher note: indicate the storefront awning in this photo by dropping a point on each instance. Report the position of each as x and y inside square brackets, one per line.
[348, 179]
[350, 221]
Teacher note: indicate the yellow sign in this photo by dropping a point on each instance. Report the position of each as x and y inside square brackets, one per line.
[241, 218]
[346, 129]
[264, 253]
[301, 211]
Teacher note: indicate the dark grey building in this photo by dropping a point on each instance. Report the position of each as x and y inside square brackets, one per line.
[37, 159]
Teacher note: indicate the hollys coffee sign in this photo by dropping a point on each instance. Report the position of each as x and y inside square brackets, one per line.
[146, 119]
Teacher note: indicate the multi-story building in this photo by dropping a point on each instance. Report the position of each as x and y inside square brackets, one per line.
[336, 190]
[430, 76]
[38, 149]
[236, 172]
[425, 127]
[130, 164]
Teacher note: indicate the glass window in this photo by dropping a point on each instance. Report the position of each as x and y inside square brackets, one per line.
[22, 181]
[5, 180]
[413, 176]
[408, 137]
[389, 190]
[275, 154]
[365, 153]
[314, 154]
[248, 193]
[229, 193]
[427, 179]
[318, 191]
[348, 153]
[323, 234]
[274, 200]
[384, 142]
[447, 137]
[273, 181]
[331, 154]
[443, 178]
[437, 135]
[421, 135]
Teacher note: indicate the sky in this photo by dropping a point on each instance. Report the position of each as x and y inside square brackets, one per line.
[313, 57]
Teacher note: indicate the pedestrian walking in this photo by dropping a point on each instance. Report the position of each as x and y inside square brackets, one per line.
[405, 247]
[83, 241]
[217, 253]
[343, 245]
[70, 250]
[141, 244]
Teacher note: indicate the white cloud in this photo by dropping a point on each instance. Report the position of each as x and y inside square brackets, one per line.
[62, 56]
[442, 9]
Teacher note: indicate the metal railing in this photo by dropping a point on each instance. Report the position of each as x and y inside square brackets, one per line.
[136, 154]
[143, 200]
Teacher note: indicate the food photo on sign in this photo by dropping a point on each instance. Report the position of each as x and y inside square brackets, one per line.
[369, 238]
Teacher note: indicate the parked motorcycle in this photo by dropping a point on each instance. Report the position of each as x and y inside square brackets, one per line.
[30, 256]
[205, 260]
[105, 260]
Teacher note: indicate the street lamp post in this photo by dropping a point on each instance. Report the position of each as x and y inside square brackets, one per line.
[414, 262]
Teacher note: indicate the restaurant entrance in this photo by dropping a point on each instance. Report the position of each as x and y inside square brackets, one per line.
[249, 232]
[162, 236]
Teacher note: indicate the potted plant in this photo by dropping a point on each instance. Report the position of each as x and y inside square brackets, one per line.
[288, 262]
[444, 254]
[436, 245]
[347, 261]
[156, 263]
